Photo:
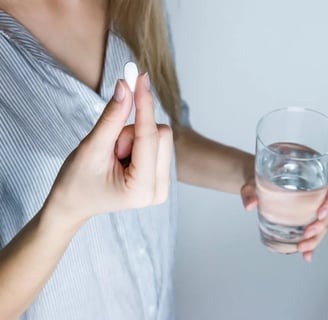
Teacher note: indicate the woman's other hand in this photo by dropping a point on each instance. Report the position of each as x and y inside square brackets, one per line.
[314, 233]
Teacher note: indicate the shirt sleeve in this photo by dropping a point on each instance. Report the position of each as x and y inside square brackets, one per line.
[184, 113]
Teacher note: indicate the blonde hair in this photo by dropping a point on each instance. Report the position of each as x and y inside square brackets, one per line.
[142, 24]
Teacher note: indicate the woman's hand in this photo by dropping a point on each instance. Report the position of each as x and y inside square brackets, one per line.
[97, 177]
[314, 232]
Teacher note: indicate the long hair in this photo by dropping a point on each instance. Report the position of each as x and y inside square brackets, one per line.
[142, 24]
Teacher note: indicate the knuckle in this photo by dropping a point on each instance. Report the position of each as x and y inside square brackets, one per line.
[144, 103]
[144, 198]
[154, 133]
[151, 134]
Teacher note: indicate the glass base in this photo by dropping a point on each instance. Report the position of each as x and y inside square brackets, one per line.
[277, 246]
[280, 238]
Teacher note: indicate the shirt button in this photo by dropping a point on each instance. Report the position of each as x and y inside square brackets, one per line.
[141, 252]
[151, 311]
[99, 106]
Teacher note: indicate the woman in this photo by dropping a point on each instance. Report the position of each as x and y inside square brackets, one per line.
[102, 244]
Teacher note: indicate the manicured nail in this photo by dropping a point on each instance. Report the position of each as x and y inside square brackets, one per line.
[119, 93]
[323, 214]
[311, 233]
[147, 81]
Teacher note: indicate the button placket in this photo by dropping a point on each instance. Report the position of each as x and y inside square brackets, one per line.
[143, 266]
[141, 252]
[151, 311]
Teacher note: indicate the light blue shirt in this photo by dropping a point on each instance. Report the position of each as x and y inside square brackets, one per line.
[119, 265]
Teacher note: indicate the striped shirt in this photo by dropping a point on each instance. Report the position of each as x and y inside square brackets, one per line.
[119, 265]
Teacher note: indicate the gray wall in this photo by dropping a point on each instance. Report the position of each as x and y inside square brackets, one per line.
[237, 60]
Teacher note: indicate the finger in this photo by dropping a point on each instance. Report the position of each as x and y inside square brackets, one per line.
[113, 119]
[164, 156]
[315, 228]
[308, 256]
[323, 212]
[249, 198]
[145, 117]
[125, 142]
[144, 152]
[312, 243]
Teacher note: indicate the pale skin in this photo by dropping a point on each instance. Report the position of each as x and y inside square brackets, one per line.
[200, 161]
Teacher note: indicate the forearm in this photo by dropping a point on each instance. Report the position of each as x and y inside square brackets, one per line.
[206, 163]
[28, 261]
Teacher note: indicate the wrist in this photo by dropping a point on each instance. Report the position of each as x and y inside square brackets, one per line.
[53, 215]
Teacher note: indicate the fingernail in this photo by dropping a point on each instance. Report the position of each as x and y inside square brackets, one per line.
[311, 233]
[147, 81]
[323, 214]
[119, 92]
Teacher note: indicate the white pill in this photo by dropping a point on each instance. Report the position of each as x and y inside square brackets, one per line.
[131, 74]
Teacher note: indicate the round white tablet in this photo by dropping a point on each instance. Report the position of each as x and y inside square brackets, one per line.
[131, 74]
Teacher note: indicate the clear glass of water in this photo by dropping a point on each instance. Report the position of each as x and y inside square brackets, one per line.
[291, 174]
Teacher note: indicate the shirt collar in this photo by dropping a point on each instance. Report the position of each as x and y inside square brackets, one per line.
[17, 33]
[26, 41]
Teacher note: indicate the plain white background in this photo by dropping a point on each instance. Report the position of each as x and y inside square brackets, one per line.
[236, 61]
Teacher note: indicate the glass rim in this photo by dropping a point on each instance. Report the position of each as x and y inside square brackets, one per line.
[289, 109]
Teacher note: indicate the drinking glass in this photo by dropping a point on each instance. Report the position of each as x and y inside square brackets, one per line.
[291, 174]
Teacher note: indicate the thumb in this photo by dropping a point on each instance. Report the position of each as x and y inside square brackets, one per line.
[248, 194]
[113, 119]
